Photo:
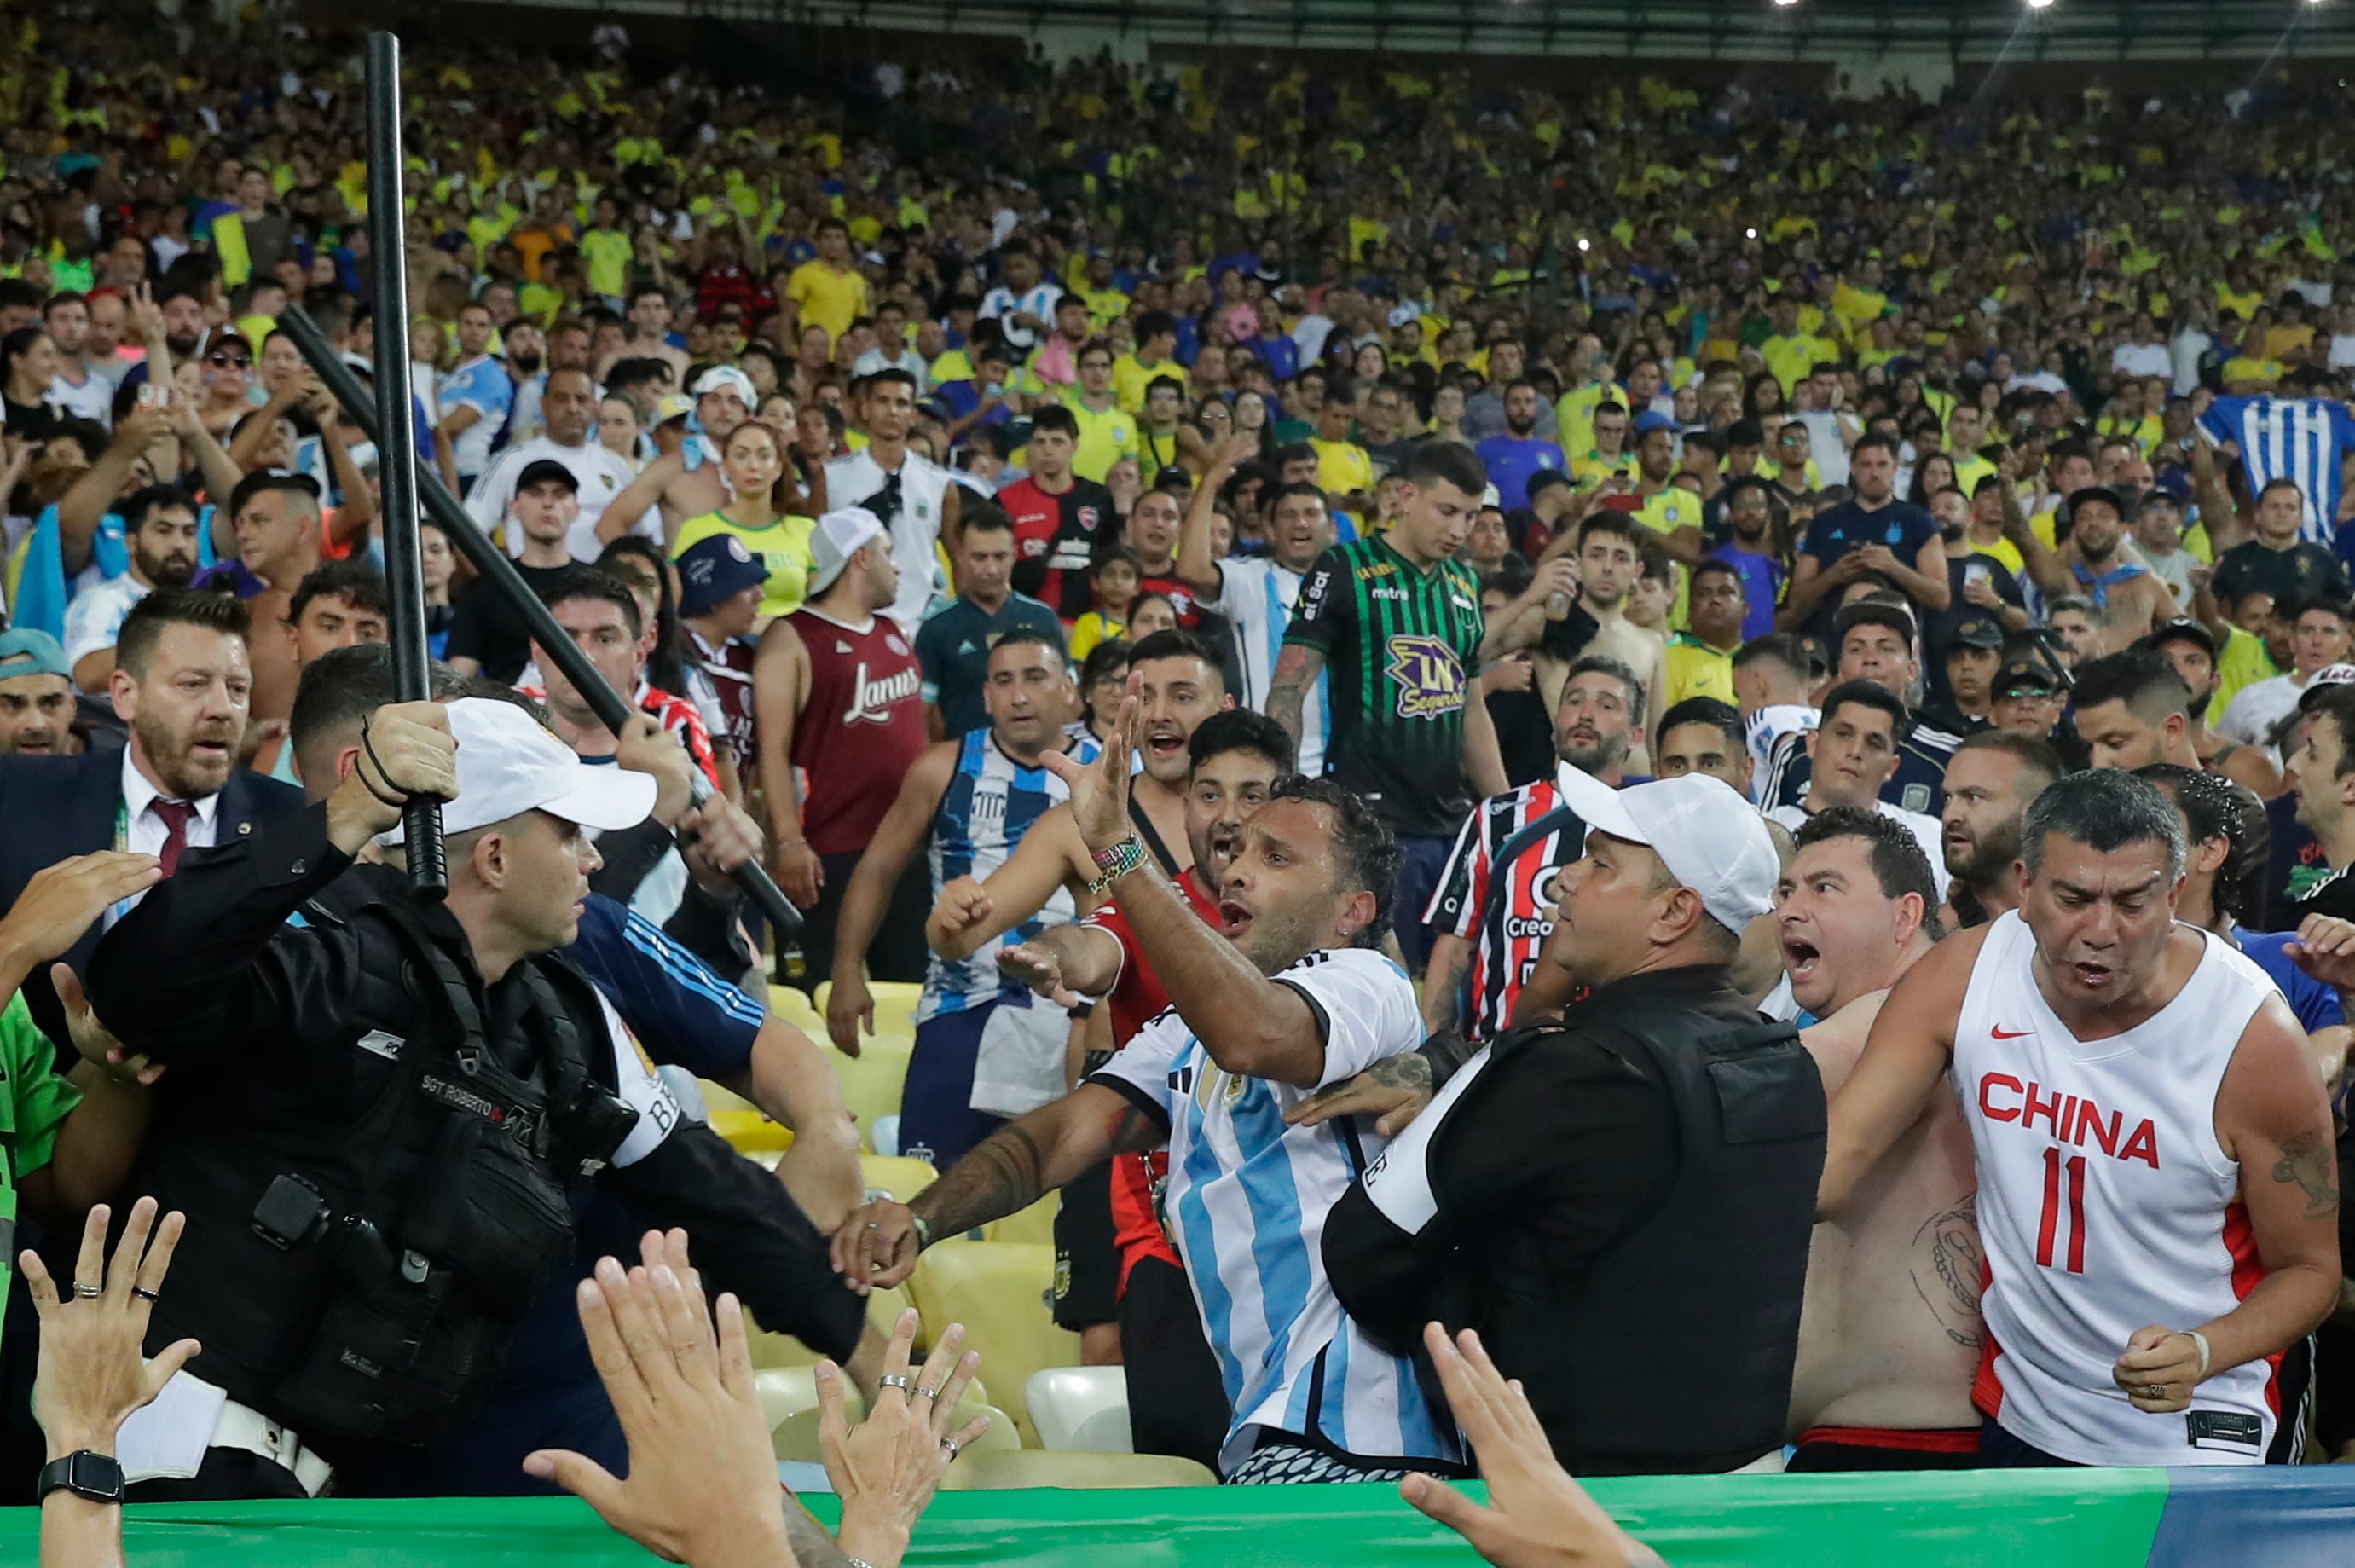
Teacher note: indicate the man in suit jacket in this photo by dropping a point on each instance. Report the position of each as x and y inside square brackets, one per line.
[182, 682]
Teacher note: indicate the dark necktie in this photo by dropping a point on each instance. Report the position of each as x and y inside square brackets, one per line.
[175, 815]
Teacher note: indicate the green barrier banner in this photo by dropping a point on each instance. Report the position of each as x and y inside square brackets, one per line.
[2084, 1518]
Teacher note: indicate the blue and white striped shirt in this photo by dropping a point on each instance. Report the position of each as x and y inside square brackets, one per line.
[1247, 1198]
[1258, 597]
[2297, 439]
[990, 804]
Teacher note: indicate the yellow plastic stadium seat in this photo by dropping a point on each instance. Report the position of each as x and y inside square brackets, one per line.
[750, 1132]
[883, 1309]
[789, 1399]
[796, 1009]
[895, 1005]
[895, 1177]
[1035, 1223]
[719, 1097]
[871, 1081]
[1047, 1467]
[999, 1291]
[1079, 1409]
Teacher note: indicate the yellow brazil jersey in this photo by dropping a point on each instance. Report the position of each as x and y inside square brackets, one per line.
[1593, 468]
[1105, 437]
[2242, 662]
[783, 545]
[1131, 380]
[608, 254]
[1696, 669]
[1573, 413]
[1969, 470]
[2241, 367]
[827, 298]
[1664, 513]
[1794, 357]
[2005, 551]
[1342, 467]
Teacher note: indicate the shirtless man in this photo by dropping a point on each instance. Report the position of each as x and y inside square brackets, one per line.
[2167, 1251]
[2129, 600]
[1889, 1334]
[688, 483]
[1610, 561]
[1179, 684]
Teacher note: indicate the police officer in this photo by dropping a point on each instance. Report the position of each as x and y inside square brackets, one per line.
[377, 1103]
[1620, 1203]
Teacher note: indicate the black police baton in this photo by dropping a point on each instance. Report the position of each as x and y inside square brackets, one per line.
[500, 577]
[429, 874]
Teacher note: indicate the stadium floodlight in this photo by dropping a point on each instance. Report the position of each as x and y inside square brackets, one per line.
[2039, 4]
[1784, 4]
[1583, 244]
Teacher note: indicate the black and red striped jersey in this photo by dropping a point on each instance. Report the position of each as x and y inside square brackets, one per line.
[1496, 893]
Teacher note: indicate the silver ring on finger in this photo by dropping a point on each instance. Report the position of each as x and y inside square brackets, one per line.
[89, 1292]
[894, 1380]
[923, 1392]
[2155, 1390]
[951, 1447]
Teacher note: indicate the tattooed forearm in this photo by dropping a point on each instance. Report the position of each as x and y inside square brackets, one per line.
[1411, 1071]
[1133, 1132]
[2306, 1160]
[1000, 1177]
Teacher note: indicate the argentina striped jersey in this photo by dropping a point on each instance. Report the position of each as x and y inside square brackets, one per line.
[1257, 597]
[990, 804]
[1247, 1198]
[2297, 438]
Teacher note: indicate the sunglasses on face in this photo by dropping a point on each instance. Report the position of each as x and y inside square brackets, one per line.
[230, 356]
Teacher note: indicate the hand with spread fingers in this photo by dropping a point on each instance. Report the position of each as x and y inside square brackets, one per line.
[61, 901]
[702, 1487]
[91, 1374]
[1536, 1516]
[886, 1469]
[1100, 789]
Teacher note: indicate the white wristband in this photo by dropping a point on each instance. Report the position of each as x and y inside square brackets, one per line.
[2199, 1339]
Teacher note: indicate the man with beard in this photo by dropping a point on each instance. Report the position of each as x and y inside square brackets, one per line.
[36, 697]
[2190, 647]
[2133, 709]
[1519, 454]
[2129, 602]
[1174, 1401]
[160, 524]
[176, 319]
[1984, 589]
[183, 684]
[1875, 532]
[1490, 914]
[1890, 1335]
[1256, 594]
[1748, 508]
[1990, 783]
[1293, 996]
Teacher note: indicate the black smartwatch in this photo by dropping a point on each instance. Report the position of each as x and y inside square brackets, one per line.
[85, 1474]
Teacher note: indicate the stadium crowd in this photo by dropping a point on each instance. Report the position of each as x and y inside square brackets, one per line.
[1289, 601]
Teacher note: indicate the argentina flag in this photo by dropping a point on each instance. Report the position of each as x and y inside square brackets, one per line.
[2297, 438]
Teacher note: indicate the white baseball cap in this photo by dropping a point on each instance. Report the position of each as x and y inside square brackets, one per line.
[728, 378]
[508, 764]
[840, 535]
[1710, 839]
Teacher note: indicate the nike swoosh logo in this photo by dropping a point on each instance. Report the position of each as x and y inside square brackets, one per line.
[2011, 1033]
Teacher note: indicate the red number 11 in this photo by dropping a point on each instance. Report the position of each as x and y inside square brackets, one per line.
[2053, 1166]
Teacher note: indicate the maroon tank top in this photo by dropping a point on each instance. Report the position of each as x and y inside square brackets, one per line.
[861, 730]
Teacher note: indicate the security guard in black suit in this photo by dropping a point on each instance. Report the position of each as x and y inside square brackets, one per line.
[1621, 1204]
[377, 1105]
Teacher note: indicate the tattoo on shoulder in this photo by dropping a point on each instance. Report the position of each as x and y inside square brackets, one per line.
[2306, 1160]
[1949, 1270]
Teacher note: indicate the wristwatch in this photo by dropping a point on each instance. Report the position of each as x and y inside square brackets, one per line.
[1115, 862]
[85, 1473]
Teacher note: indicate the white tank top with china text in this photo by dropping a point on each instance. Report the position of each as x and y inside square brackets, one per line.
[2106, 1205]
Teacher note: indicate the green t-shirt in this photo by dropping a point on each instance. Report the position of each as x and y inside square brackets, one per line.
[33, 1101]
[608, 254]
[1401, 646]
